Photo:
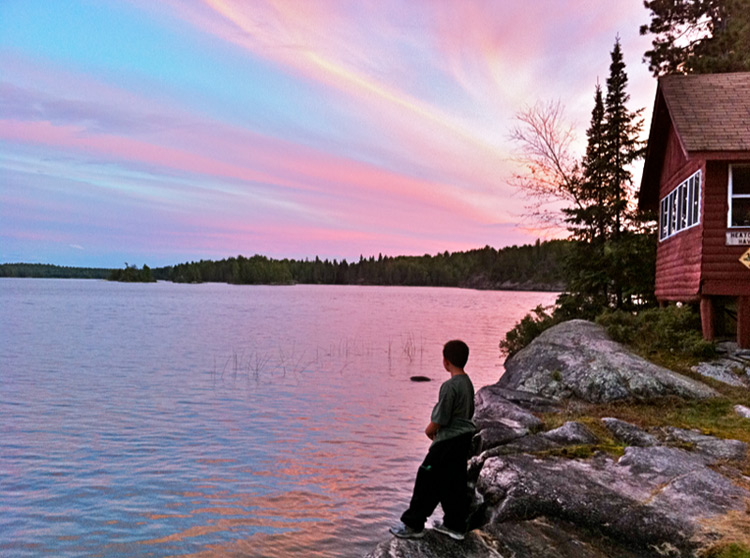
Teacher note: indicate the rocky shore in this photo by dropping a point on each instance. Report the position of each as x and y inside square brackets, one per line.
[603, 487]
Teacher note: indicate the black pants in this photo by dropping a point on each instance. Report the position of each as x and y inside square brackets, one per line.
[441, 479]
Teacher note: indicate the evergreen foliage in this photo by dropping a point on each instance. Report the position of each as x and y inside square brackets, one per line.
[698, 36]
[48, 271]
[611, 261]
[131, 274]
[528, 329]
[529, 267]
[674, 329]
[537, 266]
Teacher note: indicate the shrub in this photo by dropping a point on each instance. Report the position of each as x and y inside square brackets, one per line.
[525, 331]
[673, 329]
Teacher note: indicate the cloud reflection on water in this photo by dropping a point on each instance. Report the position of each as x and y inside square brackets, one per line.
[122, 437]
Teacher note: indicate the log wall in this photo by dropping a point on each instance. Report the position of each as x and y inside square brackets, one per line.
[678, 258]
[722, 272]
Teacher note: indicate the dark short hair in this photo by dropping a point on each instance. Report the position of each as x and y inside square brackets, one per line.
[456, 352]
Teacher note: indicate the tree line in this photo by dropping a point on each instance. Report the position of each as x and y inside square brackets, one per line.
[536, 266]
[131, 274]
[49, 271]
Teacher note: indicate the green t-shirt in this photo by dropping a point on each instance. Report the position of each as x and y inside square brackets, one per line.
[455, 408]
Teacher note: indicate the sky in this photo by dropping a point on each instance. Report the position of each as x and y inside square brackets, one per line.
[164, 132]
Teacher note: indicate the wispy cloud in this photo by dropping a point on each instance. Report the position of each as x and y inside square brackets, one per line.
[284, 127]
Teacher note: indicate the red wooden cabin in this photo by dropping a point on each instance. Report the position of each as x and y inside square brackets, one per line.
[697, 177]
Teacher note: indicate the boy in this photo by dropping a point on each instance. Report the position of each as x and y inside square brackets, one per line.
[442, 476]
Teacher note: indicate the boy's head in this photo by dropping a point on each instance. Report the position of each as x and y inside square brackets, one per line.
[456, 352]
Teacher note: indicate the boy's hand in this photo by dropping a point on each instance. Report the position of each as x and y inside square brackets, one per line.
[431, 430]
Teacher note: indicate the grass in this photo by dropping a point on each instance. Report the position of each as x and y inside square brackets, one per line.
[733, 550]
[735, 540]
[713, 417]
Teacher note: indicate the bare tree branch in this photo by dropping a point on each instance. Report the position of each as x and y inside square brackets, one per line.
[551, 173]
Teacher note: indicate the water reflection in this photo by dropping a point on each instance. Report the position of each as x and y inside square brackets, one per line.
[211, 420]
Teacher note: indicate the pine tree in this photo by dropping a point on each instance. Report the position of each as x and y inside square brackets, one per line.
[598, 269]
[698, 36]
[587, 221]
[622, 144]
[622, 148]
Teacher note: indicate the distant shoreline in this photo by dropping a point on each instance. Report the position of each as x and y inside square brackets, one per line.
[531, 267]
[522, 287]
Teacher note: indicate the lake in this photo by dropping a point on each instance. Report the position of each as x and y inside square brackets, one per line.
[220, 420]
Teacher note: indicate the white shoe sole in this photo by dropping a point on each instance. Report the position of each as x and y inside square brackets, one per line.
[452, 534]
[418, 535]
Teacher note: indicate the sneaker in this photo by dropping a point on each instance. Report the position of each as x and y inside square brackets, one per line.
[440, 528]
[405, 532]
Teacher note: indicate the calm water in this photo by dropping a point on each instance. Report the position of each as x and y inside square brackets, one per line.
[218, 420]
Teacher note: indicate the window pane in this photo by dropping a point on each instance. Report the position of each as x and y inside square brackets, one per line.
[696, 198]
[741, 212]
[673, 212]
[740, 179]
[684, 206]
[664, 219]
[689, 205]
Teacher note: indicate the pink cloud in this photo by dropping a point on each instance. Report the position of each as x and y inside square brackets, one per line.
[427, 89]
[501, 57]
[247, 157]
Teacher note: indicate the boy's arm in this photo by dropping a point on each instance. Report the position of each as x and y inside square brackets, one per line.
[432, 430]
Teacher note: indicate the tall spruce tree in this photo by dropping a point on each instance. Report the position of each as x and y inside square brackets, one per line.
[589, 221]
[603, 268]
[622, 130]
[622, 148]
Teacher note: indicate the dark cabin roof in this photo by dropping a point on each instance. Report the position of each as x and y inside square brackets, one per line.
[710, 113]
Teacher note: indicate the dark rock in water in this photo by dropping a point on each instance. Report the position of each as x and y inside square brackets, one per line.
[420, 379]
[576, 359]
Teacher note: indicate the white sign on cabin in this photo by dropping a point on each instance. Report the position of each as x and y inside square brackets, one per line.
[738, 238]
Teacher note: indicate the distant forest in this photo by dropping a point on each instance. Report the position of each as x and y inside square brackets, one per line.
[534, 266]
[47, 271]
[528, 267]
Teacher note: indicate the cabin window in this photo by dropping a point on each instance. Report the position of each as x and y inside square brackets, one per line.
[739, 195]
[680, 209]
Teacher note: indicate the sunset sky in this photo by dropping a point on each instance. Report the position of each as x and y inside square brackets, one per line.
[166, 131]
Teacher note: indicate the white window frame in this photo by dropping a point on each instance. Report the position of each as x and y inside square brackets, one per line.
[732, 197]
[680, 209]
